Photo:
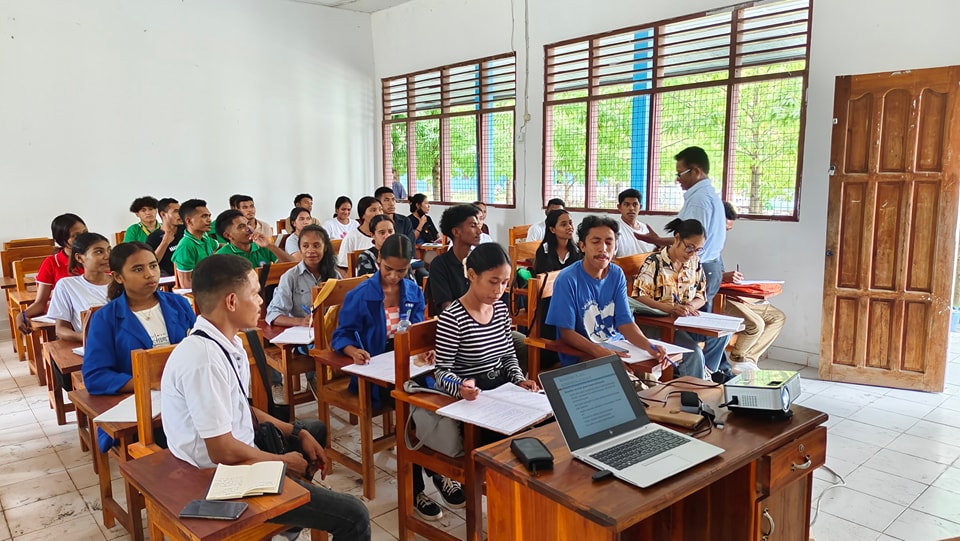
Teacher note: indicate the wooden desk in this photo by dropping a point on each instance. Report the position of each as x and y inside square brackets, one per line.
[762, 477]
[61, 353]
[291, 364]
[667, 327]
[168, 484]
[19, 300]
[724, 291]
[9, 282]
[422, 249]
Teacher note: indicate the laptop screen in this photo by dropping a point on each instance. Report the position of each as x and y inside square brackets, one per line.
[593, 401]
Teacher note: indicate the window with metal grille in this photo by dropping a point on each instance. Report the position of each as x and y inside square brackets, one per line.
[448, 132]
[618, 106]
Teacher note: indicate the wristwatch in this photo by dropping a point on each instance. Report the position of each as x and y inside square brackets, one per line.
[297, 427]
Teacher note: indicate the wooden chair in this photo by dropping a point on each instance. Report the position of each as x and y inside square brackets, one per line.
[24, 270]
[335, 245]
[118, 237]
[332, 391]
[274, 273]
[518, 233]
[522, 254]
[281, 226]
[418, 339]
[34, 241]
[353, 261]
[7, 257]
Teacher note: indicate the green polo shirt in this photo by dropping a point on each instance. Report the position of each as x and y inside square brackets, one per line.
[138, 233]
[257, 256]
[191, 249]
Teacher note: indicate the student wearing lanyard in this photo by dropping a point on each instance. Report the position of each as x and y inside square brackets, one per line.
[146, 210]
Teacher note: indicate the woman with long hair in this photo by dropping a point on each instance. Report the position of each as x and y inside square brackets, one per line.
[74, 294]
[64, 230]
[340, 225]
[360, 238]
[558, 250]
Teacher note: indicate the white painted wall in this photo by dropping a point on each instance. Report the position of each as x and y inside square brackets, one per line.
[849, 37]
[102, 101]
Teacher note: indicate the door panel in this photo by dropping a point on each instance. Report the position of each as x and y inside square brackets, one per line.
[891, 228]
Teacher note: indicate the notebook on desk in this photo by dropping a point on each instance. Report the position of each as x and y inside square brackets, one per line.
[604, 424]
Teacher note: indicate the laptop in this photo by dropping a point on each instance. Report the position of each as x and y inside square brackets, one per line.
[604, 424]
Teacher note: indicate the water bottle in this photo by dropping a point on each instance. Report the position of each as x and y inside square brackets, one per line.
[405, 320]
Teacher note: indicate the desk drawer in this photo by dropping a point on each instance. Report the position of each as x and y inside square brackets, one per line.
[792, 461]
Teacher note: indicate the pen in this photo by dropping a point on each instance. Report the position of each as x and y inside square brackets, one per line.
[451, 380]
[738, 267]
[359, 341]
[676, 299]
[306, 309]
[655, 348]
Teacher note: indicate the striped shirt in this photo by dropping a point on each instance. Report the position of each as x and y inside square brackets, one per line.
[467, 348]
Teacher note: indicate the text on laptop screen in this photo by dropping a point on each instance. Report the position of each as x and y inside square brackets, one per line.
[594, 399]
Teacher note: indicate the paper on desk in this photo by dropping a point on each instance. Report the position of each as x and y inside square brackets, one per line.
[167, 280]
[758, 282]
[44, 319]
[78, 351]
[431, 245]
[126, 410]
[294, 335]
[506, 409]
[637, 354]
[714, 322]
[182, 291]
[383, 368]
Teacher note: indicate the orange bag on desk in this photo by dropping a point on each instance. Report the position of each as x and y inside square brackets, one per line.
[757, 290]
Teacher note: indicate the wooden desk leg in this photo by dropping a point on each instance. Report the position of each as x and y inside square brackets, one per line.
[369, 474]
[404, 473]
[533, 362]
[318, 535]
[55, 392]
[473, 484]
[36, 357]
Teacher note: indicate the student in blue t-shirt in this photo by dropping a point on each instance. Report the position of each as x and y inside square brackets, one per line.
[589, 303]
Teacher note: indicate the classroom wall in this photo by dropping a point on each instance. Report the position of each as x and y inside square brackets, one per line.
[849, 37]
[102, 101]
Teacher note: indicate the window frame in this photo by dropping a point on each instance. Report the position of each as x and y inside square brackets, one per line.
[483, 115]
[656, 87]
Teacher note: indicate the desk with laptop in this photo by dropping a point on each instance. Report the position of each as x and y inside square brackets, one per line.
[751, 476]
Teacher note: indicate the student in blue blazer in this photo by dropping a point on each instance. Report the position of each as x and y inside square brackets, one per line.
[138, 316]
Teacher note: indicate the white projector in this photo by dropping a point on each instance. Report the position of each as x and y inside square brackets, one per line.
[763, 390]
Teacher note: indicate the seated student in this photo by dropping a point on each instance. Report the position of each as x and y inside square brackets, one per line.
[64, 229]
[165, 240]
[341, 224]
[138, 316]
[484, 230]
[369, 319]
[672, 280]
[423, 228]
[293, 299]
[196, 244]
[448, 281]
[589, 304]
[207, 418]
[243, 241]
[762, 321]
[245, 204]
[558, 250]
[628, 243]
[360, 238]
[302, 200]
[369, 260]
[400, 222]
[146, 210]
[538, 231]
[74, 294]
[299, 218]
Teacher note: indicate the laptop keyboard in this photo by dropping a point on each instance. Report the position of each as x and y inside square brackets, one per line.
[638, 449]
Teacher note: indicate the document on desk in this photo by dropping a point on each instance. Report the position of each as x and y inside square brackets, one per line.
[78, 351]
[758, 282]
[126, 410]
[637, 354]
[167, 280]
[507, 409]
[713, 322]
[294, 335]
[183, 291]
[383, 368]
[44, 319]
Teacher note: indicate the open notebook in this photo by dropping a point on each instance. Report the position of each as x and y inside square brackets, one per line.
[507, 409]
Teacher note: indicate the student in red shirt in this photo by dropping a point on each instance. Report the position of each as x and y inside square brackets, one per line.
[63, 229]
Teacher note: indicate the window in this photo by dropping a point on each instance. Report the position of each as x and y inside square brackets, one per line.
[619, 105]
[448, 132]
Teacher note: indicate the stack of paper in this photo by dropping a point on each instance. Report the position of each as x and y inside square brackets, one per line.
[294, 335]
[507, 409]
[383, 368]
[713, 322]
[126, 410]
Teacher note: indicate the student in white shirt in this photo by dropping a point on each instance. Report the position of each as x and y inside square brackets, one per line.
[299, 218]
[340, 225]
[538, 230]
[628, 203]
[75, 294]
[360, 238]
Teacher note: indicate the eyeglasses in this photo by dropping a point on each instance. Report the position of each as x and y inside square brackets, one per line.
[680, 174]
[691, 249]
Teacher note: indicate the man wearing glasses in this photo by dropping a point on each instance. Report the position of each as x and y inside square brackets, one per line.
[701, 202]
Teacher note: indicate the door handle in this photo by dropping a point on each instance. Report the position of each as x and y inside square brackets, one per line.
[829, 253]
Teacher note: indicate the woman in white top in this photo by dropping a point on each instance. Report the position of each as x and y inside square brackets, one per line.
[299, 218]
[75, 294]
[360, 238]
[340, 225]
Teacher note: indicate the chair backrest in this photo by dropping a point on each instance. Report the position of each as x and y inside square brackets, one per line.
[21, 243]
[353, 261]
[631, 268]
[523, 252]
[428, 299]
[118, 237]
[340, 288]
[335, 245]
[147, 370]
[28, 266]
[276, 270]
[539, 288]
[85, 316]
[281, 226]
[419, 338]
[518, 233]
[9, 255]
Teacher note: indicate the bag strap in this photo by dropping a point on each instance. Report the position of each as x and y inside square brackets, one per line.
[264, 274]
[324, 292]
[260, 356]
[201, 333]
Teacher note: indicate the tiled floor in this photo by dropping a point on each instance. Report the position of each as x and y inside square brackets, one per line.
[899, 452]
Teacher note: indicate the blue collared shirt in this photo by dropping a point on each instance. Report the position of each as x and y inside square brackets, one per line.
[702, 203]
[294, 291]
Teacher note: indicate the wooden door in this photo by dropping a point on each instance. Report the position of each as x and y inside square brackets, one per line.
[891, 228]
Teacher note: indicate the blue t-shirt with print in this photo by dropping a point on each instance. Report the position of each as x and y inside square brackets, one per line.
[593, 308]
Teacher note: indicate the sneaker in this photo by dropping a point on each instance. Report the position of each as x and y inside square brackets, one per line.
[451, 491]
[277, 390]
[426, 507]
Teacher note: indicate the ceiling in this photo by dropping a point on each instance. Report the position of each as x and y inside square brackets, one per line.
[364, 6]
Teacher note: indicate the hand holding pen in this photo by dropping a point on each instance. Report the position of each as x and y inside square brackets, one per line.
[468, 387]
[357, 353]
[307, 321]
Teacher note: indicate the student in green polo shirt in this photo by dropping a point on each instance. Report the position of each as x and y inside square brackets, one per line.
[196, 244]
[243, 241]
[146, 210]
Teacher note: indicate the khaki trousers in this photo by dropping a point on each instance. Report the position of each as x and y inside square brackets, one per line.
[763, 322]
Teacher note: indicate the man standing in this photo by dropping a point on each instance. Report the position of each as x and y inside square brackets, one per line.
[628, 243]
[762, 321]
[702, 203]
[196, 243]
[164, 241]
[538, 230]
[398, 188]
[206, 414]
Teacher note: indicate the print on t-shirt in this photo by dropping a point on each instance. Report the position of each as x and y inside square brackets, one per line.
[599, 323]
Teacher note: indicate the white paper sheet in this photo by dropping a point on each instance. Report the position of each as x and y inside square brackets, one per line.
[167, 280]
[126, 410]
[294, 335]
[715, 322]
[383, 368]
[183, 291]
[758, 282]
[507, 409]
[78, 351]
[44, 319]
[637, 354]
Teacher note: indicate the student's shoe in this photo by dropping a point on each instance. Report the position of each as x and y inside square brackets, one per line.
[743, 366]
[722, 376]
[426, 507]
[451, 491]
[277, 390]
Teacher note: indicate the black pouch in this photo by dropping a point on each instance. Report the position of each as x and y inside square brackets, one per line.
[268, 437]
